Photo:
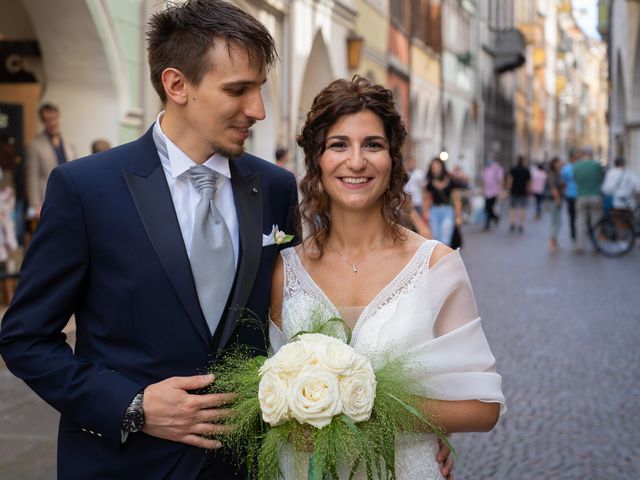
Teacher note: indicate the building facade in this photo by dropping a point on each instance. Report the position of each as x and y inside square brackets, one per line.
[474, 78]
[620, 26]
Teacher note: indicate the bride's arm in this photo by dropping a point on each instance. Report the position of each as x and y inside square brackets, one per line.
[275, 306]
[455, 308]
[454, 416]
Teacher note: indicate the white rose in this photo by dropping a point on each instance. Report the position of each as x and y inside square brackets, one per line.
[313, 339]
[335, 355]
[267, 366]
[314, 397]
[358, 391]
[290, 360]
[272, 395]
[362, 364]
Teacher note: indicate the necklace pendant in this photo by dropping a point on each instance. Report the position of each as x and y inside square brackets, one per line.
[354, 268]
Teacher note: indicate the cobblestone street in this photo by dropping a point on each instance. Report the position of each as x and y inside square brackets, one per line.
[565, 331]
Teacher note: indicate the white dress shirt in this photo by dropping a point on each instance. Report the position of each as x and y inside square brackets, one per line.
[185, 196]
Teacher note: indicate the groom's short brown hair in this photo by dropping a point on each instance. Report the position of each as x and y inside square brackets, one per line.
[182, 35]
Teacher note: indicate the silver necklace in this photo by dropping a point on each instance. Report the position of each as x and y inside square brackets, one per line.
[354, 266]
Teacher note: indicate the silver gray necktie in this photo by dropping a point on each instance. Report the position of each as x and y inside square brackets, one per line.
[212, 259]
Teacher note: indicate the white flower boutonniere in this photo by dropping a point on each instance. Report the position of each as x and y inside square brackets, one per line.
[276, 237]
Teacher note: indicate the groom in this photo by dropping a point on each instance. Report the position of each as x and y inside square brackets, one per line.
[152, 246]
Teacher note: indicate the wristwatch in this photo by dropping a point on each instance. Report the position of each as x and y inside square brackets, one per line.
[133, 419]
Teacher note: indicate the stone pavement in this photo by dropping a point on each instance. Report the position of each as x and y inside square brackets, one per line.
[565, 330]
[28, 428]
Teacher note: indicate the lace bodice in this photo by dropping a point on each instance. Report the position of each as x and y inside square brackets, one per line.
[303, 298]
[428, 313]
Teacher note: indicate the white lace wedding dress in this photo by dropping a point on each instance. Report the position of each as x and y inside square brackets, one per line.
[429, 313]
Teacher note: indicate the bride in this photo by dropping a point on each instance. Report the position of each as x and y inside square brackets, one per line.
[393, 288]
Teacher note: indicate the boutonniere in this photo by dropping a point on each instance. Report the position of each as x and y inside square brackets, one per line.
[276, 237]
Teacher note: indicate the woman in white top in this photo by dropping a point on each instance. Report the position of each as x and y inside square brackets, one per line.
[393, 288]
[622, 185]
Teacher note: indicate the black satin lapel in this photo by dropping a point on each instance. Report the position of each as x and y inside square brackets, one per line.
[247, 194]
[153, 201]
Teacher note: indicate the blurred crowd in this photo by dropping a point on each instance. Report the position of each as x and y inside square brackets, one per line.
[19, 214]
[441, 199]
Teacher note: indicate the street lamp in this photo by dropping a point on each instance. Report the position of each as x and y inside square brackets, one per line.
[354, 50]
[444, 156]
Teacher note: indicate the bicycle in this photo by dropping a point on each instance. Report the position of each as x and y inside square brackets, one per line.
[615, 233]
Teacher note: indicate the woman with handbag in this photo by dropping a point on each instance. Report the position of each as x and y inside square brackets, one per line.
[442, 202]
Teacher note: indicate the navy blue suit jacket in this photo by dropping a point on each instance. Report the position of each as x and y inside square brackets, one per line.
[109, 250]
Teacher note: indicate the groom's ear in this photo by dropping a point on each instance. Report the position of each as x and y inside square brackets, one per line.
[175, 86]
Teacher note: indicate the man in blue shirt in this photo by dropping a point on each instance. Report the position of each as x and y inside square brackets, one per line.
[571, 190]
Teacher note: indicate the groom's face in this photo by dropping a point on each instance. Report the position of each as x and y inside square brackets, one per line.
[227, 102]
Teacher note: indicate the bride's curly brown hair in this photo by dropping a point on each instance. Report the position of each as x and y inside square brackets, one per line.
[339, 98]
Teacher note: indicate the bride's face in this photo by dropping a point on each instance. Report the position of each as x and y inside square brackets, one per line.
[356, 165]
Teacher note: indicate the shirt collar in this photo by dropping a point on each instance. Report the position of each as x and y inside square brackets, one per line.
[179, 162]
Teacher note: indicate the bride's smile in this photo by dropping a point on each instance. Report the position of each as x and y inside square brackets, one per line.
[355, 164]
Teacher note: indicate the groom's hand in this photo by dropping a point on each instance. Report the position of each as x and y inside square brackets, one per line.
[170, 412]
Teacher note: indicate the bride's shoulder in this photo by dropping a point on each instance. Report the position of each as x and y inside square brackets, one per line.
[434, 250]
[438, 253]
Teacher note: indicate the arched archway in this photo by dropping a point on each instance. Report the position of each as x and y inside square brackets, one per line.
[76, 72]
[318, 74]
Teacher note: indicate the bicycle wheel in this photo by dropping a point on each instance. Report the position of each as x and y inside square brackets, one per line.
[613, 237]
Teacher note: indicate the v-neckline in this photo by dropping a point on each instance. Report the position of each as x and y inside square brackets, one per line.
[383, 293]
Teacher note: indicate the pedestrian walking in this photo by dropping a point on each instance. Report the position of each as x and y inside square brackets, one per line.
[518, 184]
[492, 179]
[100, 145]
[47, 150]
[442, 202]
[8, 239]
[587, 173]
[283, 159]
[538, 186]
[570, 191]
[416, 184]
[556, 188]
[414, 188]
[621, 186]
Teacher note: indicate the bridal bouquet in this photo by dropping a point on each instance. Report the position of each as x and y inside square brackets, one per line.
[323, 397]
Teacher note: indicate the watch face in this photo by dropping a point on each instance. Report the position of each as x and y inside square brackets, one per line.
[133, 421]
